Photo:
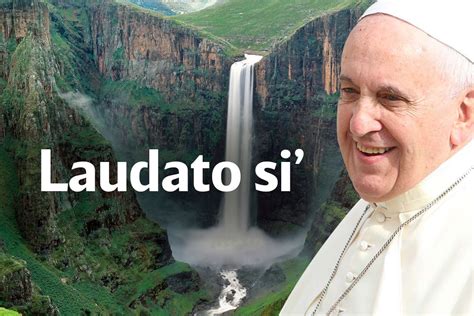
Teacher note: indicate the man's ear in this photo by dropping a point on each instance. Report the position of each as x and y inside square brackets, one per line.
[463, 130]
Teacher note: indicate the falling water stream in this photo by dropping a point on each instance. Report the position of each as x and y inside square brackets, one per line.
[234, 242]
[236, 204]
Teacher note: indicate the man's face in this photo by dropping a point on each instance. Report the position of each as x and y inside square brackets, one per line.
[394, 114]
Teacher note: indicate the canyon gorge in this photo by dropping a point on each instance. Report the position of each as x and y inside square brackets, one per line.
[105, 81]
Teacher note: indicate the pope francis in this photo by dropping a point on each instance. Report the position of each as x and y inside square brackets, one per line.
[405, 128]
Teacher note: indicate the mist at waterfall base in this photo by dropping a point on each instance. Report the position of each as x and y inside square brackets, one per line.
[234, 242]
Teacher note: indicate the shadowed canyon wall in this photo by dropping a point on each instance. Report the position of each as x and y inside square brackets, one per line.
[296, 108]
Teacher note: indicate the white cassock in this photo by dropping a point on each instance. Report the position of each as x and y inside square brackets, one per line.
[428, 267]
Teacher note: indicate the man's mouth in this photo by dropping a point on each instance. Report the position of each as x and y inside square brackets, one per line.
[373, 151]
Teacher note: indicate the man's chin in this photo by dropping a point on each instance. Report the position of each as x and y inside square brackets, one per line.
[372, 191]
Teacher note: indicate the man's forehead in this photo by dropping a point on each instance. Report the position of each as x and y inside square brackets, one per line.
[385, 39]
[394, 32]
[448, 22]
[384, 53]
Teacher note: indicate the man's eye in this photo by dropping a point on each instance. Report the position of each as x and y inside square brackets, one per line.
[391, 97]
[348, 90]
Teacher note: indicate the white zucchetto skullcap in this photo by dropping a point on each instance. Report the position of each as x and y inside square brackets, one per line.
[449, 22]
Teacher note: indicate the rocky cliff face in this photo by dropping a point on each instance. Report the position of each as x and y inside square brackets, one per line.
[185, 77]
[15, 281]
[78, 234]
[296, 108]
[311, 59]
[17, 289]
[36, 117]
[18, 19]
[156, 52]
[28, 70]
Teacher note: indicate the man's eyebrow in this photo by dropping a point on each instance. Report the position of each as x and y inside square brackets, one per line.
[382, 89]
[345, 78]
[395, 91]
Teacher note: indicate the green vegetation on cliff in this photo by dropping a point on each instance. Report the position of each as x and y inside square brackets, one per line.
[257, 25]
[92, 253]
[70, 300]
[131, 93]
[7, 312]
[9, 265]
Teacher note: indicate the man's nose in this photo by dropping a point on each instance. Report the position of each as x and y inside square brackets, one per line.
[365, 119]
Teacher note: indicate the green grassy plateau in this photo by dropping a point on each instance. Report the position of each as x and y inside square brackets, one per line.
[251, 25]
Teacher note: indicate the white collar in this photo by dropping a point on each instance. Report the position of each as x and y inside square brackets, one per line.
[434, 184]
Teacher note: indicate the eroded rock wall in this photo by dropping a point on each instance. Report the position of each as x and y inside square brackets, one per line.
[296, 108]
[36, 117]
[156, 52]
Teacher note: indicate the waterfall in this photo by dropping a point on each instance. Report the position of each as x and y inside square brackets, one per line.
[234, 242]
[236, 204]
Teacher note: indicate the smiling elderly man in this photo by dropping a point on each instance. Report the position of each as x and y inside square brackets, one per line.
[405, 128]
